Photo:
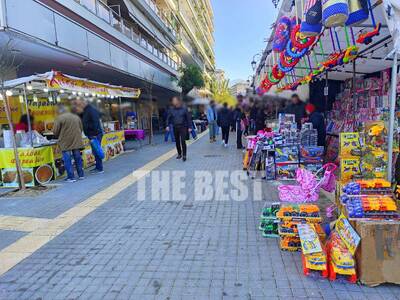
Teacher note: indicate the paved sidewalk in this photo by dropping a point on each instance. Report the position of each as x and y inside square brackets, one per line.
[130, 249]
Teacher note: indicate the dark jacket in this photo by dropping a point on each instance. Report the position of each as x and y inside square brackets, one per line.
[299, 110]
[91, 121]
[237, 115]
[260, 120]
[179, 117]
[318, 121]
[224, 117]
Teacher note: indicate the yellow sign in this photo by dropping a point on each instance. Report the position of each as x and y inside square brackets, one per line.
[42, 110]
[16, 111]
[112, 138]
[29, 157]
[61, 81]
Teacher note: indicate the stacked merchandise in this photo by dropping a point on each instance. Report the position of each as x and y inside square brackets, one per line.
[311, 155]
[351, 110]
[313, 255]
[292, 215]
[269, 221]
[368, 199]
[287, 156]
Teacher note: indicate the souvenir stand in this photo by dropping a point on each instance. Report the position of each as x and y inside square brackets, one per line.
[39, 154]
[356, 42]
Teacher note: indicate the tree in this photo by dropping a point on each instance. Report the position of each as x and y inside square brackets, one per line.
[8, 66]
[192, 76]
[221, 93]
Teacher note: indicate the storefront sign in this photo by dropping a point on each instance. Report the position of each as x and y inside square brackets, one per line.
[347, 234]
[61, 81]
[16, 110]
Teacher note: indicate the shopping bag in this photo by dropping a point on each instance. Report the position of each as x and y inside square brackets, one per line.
[97, 149]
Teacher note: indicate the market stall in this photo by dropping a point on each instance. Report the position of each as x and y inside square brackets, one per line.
[354, 42]
[36, 97]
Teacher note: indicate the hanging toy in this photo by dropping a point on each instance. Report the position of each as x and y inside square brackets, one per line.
[335, 12]
[288, 61]
[282, 34]
[294, 53]
[350, 53]
[311, 25]
[366, 38]
[278, 74]
[358, 12]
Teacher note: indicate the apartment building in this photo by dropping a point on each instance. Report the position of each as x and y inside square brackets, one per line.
[136, 43]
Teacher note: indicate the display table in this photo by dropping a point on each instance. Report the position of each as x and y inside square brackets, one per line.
[134, 134]
[42, 164]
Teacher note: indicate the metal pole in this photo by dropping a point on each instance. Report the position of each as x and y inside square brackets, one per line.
[28, 115]
[353, 87]
[326, 92]
[120, 112]
[392, 114]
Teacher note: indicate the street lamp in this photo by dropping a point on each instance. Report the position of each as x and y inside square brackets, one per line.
[254, 61]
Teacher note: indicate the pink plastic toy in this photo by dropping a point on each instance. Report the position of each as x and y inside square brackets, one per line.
[309, 187]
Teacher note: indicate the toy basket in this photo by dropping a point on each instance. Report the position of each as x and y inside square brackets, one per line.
[335, 12]
[358, 12]
[310, 29]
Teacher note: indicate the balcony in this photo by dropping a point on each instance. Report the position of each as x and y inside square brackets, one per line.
[112, 17]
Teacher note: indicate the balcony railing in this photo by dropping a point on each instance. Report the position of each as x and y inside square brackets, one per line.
[110, 16]
[153, 6]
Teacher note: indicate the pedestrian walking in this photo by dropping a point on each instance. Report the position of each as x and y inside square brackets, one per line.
[68, 129]
[92, 129]
[212, 121]
[224, 121]
[238, 116]
[170, 132]
[297, 108]
[193, 126]
[318, 121]
[181, 120]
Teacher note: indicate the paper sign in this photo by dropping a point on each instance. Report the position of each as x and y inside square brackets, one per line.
[347, 233]
[309, 239]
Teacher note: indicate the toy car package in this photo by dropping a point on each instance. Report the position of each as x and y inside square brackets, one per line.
[350, 169]
[351, 143]
[286, 171]
[288, 154]
[312, 167]
[311, 154]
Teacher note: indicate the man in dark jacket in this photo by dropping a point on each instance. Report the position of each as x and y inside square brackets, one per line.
[91, 127]
[297, 108]
[238, 115]
[181, 120]
[318, 121]
[224, 121]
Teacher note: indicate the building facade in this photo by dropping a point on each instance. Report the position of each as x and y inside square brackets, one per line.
[239, 88]
[135, 43]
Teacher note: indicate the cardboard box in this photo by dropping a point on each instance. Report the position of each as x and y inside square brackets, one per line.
[378, 255]
[289, 154]
[286, 171]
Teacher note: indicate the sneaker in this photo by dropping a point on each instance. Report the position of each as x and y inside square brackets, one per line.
[184, 158]
[69, 180]
[81, 178]
[226, 145]
[179, 157]
[95, 171]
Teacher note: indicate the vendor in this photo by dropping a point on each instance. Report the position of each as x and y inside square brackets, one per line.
[296, 108]
[23, 123]
[318, 121]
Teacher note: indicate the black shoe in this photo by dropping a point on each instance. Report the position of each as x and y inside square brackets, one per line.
[179, 157]
[184, 158]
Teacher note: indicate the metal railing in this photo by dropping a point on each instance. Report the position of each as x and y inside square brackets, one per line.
[153, 6]
[113, 18]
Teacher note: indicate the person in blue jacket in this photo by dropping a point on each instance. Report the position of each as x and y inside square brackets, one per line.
[318, 121]
[212, 118]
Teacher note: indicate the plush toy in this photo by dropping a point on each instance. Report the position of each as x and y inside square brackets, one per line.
[335, 12]
[358, 12]
[282, 34]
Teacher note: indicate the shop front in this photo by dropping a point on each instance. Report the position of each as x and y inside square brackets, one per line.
[355, 231]
[40, 157]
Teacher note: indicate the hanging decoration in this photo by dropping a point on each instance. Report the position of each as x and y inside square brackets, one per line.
[282, 34]
[335, 12]
[366, 38]
[358, 12]
[312, 18]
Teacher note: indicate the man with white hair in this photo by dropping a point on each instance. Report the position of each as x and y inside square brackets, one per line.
[68, 129]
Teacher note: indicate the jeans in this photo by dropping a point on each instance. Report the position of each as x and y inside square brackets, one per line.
[99, 161]
[225, 133]
[238, 135]
[170, 133]
[67, 158]
[212, 126]
[194, 133]
[181, 133]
